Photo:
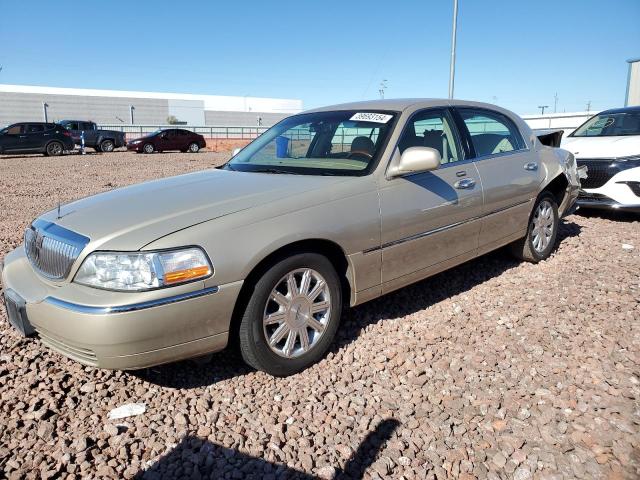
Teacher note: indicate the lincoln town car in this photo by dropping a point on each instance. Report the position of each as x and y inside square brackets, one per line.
[327, 209]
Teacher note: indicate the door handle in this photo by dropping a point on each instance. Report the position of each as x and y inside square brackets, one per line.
[23, 136]
[531, 166]
[461, 173]
[465, 183]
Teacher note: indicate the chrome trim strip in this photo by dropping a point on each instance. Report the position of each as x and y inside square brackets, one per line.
[128, 308]
[440, 229]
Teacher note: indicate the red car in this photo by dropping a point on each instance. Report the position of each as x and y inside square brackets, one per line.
[170, 139]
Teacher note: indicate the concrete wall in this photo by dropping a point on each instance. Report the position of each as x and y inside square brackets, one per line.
[25, 107]
[565, 121]
[190, 111]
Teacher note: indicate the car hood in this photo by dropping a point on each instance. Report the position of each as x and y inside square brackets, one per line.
[131, 217]
[602, 147]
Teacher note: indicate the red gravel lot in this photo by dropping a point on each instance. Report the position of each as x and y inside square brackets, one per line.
[495, 369]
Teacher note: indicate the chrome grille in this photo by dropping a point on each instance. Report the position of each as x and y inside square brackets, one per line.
[52, 249]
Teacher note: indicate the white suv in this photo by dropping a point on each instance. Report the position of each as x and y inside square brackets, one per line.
[609, 145]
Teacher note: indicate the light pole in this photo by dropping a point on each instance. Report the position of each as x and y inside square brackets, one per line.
[542, 107]
[131, 109]
[45, 105]
[383, 87]
[452, 66]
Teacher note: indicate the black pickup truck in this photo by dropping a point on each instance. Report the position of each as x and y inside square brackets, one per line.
[100, 140]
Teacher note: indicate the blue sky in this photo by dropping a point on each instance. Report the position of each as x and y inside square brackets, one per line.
[517, 54]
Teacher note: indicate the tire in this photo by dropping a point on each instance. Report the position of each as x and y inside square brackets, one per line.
[542, 231]
[194, 147]
[148, 148]
[107, 146]
[97, 148]
[54, 149]
[285, 320]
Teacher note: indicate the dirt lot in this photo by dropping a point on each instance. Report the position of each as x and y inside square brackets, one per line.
[495, 369]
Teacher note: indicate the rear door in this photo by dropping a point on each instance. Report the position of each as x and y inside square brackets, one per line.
[508, 169]
[33, 137]
[429, 219]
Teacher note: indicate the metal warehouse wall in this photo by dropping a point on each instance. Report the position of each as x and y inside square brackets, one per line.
[241, 119]
[24, 107]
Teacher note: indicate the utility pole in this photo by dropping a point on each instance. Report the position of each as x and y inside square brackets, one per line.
[555, 103]
[131, 109]
[589, 106]
[542, 107]
[383, 87]
[452, 66]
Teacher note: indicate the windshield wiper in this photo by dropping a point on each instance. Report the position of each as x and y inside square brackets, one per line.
[274, 170]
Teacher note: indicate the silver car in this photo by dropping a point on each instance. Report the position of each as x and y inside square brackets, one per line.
[331, 207]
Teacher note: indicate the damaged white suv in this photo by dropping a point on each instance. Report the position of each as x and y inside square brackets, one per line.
[608, 144]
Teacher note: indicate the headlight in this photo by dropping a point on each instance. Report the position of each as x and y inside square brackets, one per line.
[128, 271]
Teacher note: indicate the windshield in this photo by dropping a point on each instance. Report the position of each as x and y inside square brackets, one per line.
[322, 143]
[610, 125]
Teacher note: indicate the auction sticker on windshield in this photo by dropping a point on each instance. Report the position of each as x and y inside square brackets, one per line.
[371, 117]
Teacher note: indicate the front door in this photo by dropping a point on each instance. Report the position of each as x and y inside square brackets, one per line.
[429, 219]
[11, 138]
[509, 172]
[34, 136]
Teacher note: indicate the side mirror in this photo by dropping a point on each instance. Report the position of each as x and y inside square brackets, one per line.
[416, 160]
[235, 152]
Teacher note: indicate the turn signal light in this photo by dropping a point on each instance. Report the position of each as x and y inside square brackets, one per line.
[180, 276]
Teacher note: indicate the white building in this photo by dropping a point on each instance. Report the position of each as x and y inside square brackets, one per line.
[20, 103]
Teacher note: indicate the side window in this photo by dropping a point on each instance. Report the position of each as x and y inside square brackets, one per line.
[15, 130]
[491, 132]
[431, 128]
[35, 128]
[86, 126]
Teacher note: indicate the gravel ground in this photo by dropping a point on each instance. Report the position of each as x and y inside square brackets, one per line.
[495, 369]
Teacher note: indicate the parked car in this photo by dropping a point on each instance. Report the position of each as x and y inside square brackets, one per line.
[35, 137]
[339, 204]
[98, 139]
[168, 139]
[608, 144]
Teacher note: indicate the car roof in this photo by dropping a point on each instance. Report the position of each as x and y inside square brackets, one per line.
[632, 109]
[401, 104]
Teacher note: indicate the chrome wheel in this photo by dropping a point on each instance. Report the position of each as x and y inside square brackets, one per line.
[107, 146]
[543, 225]
[297, 312]
[148, 148]
[193, 148]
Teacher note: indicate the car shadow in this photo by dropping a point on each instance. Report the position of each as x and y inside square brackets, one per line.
[616, 216]
[406, 301]
[194, 457]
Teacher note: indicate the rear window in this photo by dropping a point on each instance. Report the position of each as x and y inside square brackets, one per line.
[35, 128]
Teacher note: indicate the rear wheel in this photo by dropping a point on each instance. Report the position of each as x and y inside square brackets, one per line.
[148, 148]
[292, 316]
[107, 146]
[194, 147]
[542, 232]
[54, 149]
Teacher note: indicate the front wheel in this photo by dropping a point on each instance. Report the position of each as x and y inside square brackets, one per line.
[542, 232]
[148, 148]
[292, 315]
[54, 149]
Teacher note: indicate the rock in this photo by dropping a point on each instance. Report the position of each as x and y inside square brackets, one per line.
[522, 473]
[127, 410]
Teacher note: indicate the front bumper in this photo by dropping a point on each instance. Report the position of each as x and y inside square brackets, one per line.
[621, 192]
[123, 330]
